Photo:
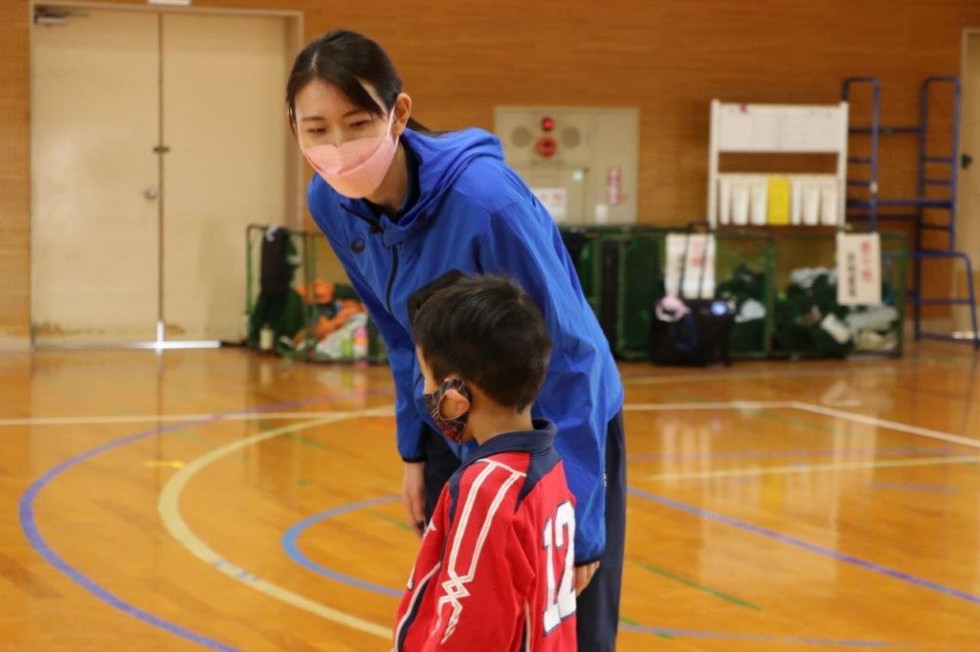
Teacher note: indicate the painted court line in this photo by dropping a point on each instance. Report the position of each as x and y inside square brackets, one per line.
[203, 551]
[252, 414]
[28, 520]
[745, 454]
[715, 405]
[668, 632]
[805, 545]
[289, 542]
[884, 423]
[169, 509]
[32, 531]
[805, 468]
[162, 418]
[814, 409]
[748, 375]
[697, 586]
[291, 537]
[809, 468]
[913, 486]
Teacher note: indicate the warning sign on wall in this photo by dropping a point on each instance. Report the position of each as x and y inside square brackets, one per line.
[555, 200]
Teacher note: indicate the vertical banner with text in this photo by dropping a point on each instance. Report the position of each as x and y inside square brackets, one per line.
[858, 269]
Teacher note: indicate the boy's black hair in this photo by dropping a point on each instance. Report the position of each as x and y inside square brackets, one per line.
[486, 330]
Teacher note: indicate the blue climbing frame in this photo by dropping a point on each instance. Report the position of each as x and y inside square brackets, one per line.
[868, 206]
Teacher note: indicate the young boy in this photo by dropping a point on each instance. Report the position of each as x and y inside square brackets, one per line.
[495, 570]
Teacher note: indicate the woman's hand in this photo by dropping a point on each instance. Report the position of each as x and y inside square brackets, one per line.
[413, 492]
[584, 575]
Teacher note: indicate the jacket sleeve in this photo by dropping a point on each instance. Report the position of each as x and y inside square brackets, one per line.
[401, 358]
[521, 244]
[482, 587]
[401, 350]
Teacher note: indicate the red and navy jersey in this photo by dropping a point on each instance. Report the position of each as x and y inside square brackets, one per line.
[496, 566]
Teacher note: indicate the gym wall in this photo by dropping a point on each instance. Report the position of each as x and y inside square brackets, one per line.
[668, 57]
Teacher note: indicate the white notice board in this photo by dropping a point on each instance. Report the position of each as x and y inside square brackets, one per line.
[780, 127]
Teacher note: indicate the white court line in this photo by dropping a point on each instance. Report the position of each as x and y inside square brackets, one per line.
[884, 423]
[168, 504]
[758, 375]
[814, 409]
[161, 418]
[807, 468]
[808, 407]
[721, 405]
[169, 508]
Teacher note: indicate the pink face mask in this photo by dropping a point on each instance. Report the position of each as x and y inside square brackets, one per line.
[356, 168]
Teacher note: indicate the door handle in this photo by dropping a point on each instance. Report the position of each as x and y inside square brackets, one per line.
[965, 161]
[151, 193]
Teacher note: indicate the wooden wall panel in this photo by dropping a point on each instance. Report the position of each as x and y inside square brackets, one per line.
[668, 57]
[15, 204]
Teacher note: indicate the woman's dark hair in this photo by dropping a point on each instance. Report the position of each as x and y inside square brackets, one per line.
[486, 330]
[344, 58]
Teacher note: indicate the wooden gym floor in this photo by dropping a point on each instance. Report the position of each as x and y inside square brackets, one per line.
[220, 499]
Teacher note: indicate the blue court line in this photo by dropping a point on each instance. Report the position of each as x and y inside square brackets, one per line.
[292, 534]
[28, 519]
[28, 523]
[806, 545]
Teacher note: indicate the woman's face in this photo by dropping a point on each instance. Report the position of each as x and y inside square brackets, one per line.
[325, 116]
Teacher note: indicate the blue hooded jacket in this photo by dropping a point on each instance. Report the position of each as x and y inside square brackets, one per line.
[475, 215]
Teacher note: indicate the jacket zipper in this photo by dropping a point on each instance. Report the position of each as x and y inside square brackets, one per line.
[376, 228]
[391, 278]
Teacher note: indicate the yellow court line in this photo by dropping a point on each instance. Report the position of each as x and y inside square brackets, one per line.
[169, 509]
[168, 504]
[807, 468]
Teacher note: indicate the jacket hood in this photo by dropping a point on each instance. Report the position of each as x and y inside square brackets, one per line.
[442, 158]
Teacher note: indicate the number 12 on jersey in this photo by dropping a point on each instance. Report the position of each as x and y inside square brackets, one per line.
[559, 537]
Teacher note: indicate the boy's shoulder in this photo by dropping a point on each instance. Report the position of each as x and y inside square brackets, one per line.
[498, 477]
[506, 469]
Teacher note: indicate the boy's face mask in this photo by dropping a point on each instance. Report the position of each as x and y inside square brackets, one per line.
[452, 428]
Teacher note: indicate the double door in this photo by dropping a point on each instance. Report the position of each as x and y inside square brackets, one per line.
[156, 139]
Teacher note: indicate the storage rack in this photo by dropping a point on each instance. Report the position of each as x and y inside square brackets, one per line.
[777, 129]
[935, 170]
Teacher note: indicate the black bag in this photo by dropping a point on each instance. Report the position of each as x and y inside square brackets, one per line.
[692, 332]
[278, 262]
[698, 334]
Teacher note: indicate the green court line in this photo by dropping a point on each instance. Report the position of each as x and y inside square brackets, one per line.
[263, 426]
[401, 525]
[823, 426]
[194, 438]
[695, 585]
[302, 439]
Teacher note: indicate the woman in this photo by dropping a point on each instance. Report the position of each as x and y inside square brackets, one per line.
[404, 210]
